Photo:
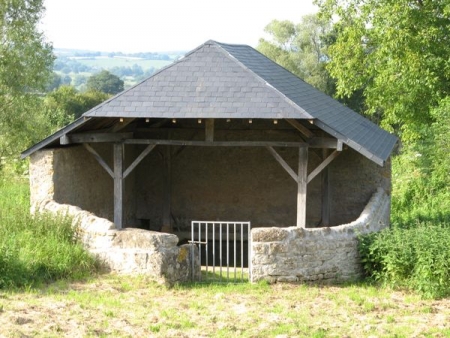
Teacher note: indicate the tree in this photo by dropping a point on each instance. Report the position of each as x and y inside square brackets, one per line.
[71, 103]
[396, 53]
[105, 82]
[25, 65]
[53, 82]
[301, 48]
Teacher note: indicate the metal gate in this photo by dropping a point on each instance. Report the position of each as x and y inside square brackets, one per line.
[223, 251]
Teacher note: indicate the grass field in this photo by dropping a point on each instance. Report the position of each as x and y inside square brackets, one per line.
[108, 63]
[114, 306]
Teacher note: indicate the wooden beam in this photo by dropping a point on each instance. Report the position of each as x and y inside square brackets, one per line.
[138, 160]
[119, 186]
[325, 193]
[322, 165]
[99, 159]
[301, 128]
[302, 182]
[97, 137]
[209, 130]
[216, 144]
[324, 143]
[121, 124]
[283, 163]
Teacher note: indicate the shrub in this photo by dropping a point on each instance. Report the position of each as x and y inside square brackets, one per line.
[416, 257]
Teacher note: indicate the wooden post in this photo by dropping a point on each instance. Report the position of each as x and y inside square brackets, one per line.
[167, 226]
[302, 182]
[209, 130]
[119, 185]
[325, 193]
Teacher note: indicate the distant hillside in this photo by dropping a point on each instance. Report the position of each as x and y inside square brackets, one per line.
[75, 66]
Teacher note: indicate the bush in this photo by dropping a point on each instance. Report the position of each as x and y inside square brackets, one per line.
[416, 257]
[35, 250]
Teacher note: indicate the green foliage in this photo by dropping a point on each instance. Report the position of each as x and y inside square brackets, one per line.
[105, 82]
[417, 258]
[73, 103]
[415, 252]
[35, 250]
[26, 59]
[396, 53]
[25, 65]
[301, 48]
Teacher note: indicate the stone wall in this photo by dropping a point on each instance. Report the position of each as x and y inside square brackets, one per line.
[130, 251]
[323, 254]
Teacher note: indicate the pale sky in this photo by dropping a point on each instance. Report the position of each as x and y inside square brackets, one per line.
[164, 25]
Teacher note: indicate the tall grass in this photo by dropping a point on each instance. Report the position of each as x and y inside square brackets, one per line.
[36, 249]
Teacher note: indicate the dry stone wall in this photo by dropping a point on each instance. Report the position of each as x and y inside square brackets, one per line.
[322, 254]
[130, 251]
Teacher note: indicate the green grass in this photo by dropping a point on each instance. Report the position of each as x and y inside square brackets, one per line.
[39, 249]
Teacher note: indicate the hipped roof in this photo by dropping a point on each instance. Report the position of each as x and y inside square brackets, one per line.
[218, 80]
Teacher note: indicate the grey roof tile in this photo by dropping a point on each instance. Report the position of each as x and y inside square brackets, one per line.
[219, 80]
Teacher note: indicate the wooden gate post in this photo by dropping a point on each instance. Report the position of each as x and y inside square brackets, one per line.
[119, 185]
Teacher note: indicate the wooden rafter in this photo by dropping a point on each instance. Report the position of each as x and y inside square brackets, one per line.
[121, 124]
[301, 128]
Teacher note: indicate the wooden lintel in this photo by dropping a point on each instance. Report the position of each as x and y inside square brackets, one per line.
[301, 128]
[283, 163]
[216, 143]
[209, 130]
[324, 143]
[302, 182]
[122, 123]
[138, 160]
[99, 137]
[119, 185]
[323, 165]
[99, 159]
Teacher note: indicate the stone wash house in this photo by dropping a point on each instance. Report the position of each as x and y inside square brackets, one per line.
[223, 134]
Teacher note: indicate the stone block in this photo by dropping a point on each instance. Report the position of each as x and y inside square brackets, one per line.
[269, 234]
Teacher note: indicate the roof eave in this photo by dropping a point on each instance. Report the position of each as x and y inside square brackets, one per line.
[52, 138]
[354, 145]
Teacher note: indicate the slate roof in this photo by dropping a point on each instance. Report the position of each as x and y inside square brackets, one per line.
[206, 83]
[218, 80]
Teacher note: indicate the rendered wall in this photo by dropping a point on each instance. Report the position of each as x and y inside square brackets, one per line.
[323, 254]
[248, 184]
[73, 176]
